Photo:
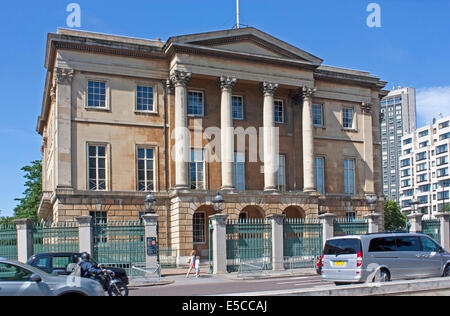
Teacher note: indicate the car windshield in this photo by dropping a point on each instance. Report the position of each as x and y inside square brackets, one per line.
[342, 247]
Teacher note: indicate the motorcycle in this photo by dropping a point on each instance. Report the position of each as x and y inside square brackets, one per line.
[113, 285]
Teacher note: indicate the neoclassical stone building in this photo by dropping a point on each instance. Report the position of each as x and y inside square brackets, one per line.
[114, 107]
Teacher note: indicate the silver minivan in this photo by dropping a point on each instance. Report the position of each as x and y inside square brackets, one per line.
[383, 257]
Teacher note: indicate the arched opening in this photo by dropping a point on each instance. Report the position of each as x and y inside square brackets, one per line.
[252, 212]
[200, 230]
[294, 212]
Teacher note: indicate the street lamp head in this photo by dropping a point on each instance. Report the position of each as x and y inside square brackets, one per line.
[414, 204]
[372, 201]
[150, 202]
[218, 203]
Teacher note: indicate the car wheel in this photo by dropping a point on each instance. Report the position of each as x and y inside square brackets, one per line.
[446, 271]
[382, 276]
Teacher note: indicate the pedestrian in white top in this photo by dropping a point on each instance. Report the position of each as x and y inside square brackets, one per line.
[197, 266]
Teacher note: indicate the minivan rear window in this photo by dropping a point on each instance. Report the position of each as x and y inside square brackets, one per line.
[342, 247]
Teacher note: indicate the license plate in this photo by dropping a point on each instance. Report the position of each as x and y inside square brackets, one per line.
[339, 263]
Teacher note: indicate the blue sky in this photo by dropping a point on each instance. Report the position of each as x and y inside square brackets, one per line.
[412, 48]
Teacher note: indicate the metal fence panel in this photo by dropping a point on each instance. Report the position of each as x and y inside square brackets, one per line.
[8, 241]
[347, 226]
[432, 228]
[59, 237]
[119, 243]
[167, 257]
[248, 240]
[302, 243]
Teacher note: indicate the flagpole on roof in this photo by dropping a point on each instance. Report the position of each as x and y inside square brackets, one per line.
[237, 15]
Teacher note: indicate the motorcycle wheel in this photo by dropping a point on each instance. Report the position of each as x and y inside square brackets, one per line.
[118, 289]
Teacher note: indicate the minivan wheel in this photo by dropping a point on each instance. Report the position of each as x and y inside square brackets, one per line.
[382, 276]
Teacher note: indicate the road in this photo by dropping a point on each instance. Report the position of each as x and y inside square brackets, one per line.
[217, 285]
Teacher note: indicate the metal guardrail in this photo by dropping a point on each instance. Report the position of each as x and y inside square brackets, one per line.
[254, 266]
[141, 274]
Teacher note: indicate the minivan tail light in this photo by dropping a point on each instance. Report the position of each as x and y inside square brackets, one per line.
[359, 259]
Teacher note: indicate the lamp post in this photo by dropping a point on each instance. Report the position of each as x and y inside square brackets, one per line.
[372, 201]
[414, 205]
[150, 202]
[218, 203]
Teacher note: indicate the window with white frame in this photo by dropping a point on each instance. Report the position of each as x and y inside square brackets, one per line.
[196, 169]
[196, 103]
[347, 117]
[318, 115]
[238, 107]
[349, 176]
[199, 230]
[146, 169]
[319, 174]
[97, 167]
[279, 111]
[144, 98]
[280, 175]
[239, 171]
[96, 96]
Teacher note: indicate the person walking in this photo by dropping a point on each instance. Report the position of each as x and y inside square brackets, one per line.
[197, 267]
[191, 262]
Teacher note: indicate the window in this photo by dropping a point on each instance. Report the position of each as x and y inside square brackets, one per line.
[424, 188]
[349, 176]
[195, 103]
[406, 173]
[441, 149]
[405, 162]
[422, 167]
[347, 246]
[238, 108]
[407, 243]
[429, 245]
[424, 144]
[12, 273]
[279, 111]
[408, 193]
[444, 125]
[423, 199]
[146, 169]
[61, 262]
[99, 217]
[144, 99]
[97, 168]
[239, 171]
[281, 173]
[442, 172]
[96, 94]
[423, 133]
[196, 169]
[386, 244]
[407, 141]
[319, 174]
[406, 183]
[421, 156]
[317, 115]
[347, 118]
[444, 136]
[442, 161]
[422, 178]
[199, 230]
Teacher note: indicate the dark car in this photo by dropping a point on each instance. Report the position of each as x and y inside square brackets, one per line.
[56, 264]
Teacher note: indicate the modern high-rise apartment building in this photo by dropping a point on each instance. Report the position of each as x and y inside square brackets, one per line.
[398, 117]
[424, 168]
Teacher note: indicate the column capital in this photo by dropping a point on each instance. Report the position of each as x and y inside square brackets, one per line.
[366, 107]
[269, 88]
[64, 75]
[84, 220]
[180, 78]
[277, 218]
[307, 92]
[219, 219]
[227, 83]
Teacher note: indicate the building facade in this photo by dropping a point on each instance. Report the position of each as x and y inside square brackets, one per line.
[424, 168]
[124, 116]
[398, 117]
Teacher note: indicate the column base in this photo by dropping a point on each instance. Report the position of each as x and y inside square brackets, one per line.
[310, 190]
[271, 190]
[228, 189]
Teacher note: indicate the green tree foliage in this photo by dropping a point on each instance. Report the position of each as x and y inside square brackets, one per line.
[28, 205]
[393, 217]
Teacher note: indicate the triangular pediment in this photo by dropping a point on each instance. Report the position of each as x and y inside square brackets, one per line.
[247, 41]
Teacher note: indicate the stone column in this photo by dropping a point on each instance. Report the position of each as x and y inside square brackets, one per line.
[219, 243]
[368, 147]
[227, 132]
[63, 137]
[374, 222]
[308, 141]
[270, 158]
[277, 222]
[416, 222]
[85, 234]
[327, 221]
[24, 229]
[151, 240]
[445, 229]
[181, 132]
